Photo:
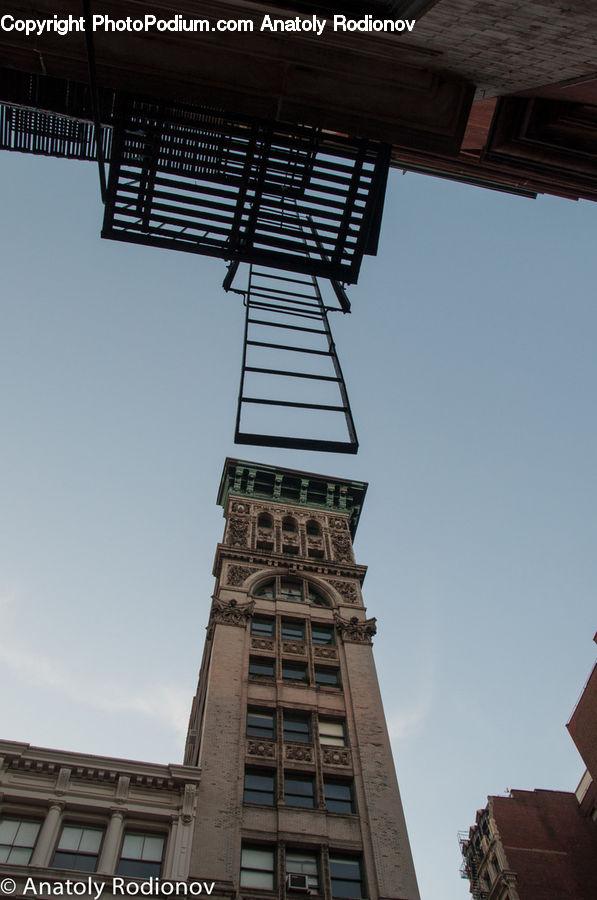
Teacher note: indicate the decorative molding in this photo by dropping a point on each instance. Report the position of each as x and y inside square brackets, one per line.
[347, 591]
[236, 575]
[232, 613]
[238, 532]
[342, 546]
[356, 631]
[263, 644]
[188, 802]
[293, 647]
[325, 652]
[298, 752]
[122, 790]
[62, 782]
[243, 508]
[335, 756]
[261, 748]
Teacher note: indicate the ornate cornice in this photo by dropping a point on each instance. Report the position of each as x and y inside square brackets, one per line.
[269, 560]
[355, 630]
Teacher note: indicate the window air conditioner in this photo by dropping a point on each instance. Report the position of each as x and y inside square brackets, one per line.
[297, 883]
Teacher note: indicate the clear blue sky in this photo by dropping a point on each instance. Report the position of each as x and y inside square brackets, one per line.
[470, 360]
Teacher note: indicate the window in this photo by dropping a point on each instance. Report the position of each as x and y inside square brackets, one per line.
[299, 790]
[260, 786]
[266, 590]
[293, 672]
[297, 727]
[316, 598]
[322, 634]
[260, 724]
[263, 626]
[331, 731]
[289, 525]
[293, 630]
[346, 877]
[290, 589]
[338, 796]
[261, 668]
[78, 848]
[17, 840]
[313, 529]
[303, 864]
[327, 677]
[141, 855]
[257, 868]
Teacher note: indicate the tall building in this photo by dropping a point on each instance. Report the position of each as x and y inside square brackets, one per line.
[540, 845]
[288, 785]
[298, 787]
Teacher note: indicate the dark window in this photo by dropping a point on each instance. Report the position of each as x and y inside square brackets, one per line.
[78, 848]
[260, 724]
[257, 868]
[322, 634]
[313, 529]
[141, 855]
[263, 626]
[260, 787]
[266, 590]
[17, 840]
[327, 677]
[298, 790]
[297, 727]
[290, 590]
[332, 731]
[316, 598]
[293, 630]
[294, 672]
[289, 525]
[303, 864]
[338, 796]
[346, 877]
[262, 668]
[265, 521]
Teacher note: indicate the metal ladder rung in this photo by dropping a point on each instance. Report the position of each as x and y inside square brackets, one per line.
[294, 403]
[290, 374]
[287, 347]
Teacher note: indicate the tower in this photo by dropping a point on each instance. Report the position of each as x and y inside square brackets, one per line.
[298, 790]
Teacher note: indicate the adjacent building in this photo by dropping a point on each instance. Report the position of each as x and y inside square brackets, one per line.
[540, 845]
[288, 786]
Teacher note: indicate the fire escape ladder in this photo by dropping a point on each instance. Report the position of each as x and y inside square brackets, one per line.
[290, 368]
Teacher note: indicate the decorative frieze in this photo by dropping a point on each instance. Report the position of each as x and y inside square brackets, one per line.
[335, 756]
[347, 590]
[298, 752]
[262, 644]
[265, 749]
[238, 532]
[355, 630]
[293, 647]
[342, 546]
[325, 652]
[236, 575]
[232, 613]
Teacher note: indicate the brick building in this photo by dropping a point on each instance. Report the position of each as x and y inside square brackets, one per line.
[540, 845]
[288, 786]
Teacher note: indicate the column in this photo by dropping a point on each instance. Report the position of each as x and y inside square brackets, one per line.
[111, 846]
[48, 835]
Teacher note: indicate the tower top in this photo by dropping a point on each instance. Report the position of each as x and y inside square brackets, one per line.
[279, 485]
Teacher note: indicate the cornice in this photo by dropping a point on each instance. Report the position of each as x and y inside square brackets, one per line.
[269, 560]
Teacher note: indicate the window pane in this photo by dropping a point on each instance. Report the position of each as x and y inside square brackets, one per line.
[293, 630]
[262, 880]
[296, 727]
[291, 590]
[91, 839]
[20, 856]
[294, 671]
[4, 851]
[81, 862]
[331, 732]
[8, 830]
[322, 634]
[259, 788]
[327, 677]
[263, 626]
[338, 796]
[132, 846]
[257, 868]
[153, 848]
[346, 877]
[27, 834]
[298, 791]
[303, 864]
[138, 868]
[261, 667]
[257, 858]
[266, 590]
[260, 724]
[70, 838]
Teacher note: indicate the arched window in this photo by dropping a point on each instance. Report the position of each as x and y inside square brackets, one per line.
[289, 525]
[289, 588]
[265, 532]
[313, 528]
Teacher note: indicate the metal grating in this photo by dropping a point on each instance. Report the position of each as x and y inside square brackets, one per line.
[291, 378]
[290, 197]
[48, 134]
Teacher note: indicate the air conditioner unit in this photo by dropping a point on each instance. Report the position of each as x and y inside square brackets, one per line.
[298, 883]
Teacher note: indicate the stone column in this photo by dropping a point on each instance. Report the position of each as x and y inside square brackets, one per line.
[111, 845]
[48, 835]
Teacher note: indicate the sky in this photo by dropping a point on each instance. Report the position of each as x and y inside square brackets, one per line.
[470, 363]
